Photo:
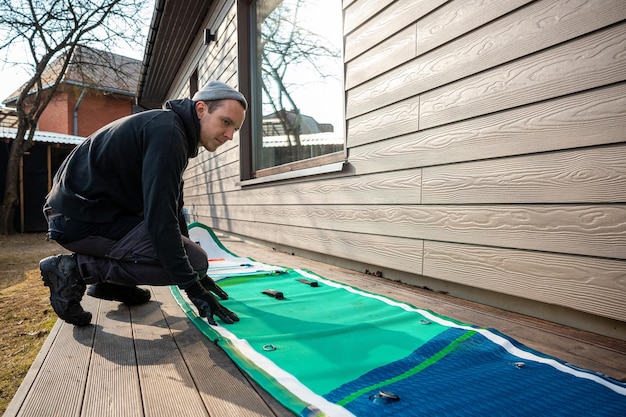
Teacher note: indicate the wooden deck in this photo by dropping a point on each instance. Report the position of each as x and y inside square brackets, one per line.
[149, 360]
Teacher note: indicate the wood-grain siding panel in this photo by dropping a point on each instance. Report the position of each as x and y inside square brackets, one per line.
[593, 230]
[206, 176]
[396, 50]
[359, 11]
[584, 63]
[388, 252]
[199, 186]
[221, 60]
[529, 30]
[596, 286]
[208, 161]
[395, 120]
[213, 170]
[594, 117]
[458, 18]
[203, 178]
[590, 175]
[225, 65]
[382, 188]
[397, 16]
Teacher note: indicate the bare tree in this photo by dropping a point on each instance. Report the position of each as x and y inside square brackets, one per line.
[49, 32]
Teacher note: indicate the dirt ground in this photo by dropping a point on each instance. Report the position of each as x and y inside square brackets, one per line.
[25, 311]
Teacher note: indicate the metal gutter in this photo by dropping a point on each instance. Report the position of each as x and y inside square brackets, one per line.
[150, 41]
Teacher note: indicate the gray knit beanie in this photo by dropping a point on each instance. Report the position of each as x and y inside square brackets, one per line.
[217, 90]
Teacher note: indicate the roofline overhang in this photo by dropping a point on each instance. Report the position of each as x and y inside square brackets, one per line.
[163, 55]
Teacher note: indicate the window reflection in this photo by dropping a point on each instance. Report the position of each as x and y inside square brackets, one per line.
[299, 81]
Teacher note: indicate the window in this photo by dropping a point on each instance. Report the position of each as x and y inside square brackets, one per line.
[193, 83]
[291, 70]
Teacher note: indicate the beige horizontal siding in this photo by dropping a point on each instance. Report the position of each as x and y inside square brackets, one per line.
[383, 25]
[583, 63]
[593, 117]
[486, 149]
[587, 284]
[367, 249]
[594, 175]
[595, 230]
[370, 189]
[527, 31]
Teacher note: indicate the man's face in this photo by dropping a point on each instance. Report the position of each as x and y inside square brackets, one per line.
[220, 126]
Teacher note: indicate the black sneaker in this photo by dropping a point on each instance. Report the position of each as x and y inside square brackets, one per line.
[60, 274]
[114, 292]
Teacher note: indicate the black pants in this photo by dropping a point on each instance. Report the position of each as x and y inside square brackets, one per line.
[119, 252]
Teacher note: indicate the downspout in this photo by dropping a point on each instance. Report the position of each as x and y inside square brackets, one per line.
[82, 94]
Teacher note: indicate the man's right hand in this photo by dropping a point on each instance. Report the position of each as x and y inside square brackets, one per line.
[208, 306]
[210, 285]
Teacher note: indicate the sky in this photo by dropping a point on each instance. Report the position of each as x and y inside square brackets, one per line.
[320, 99]
[12, 77]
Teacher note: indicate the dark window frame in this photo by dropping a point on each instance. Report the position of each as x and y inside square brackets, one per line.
[330, 162]
[193, 83]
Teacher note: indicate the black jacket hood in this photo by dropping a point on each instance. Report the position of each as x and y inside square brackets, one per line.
[186, 110]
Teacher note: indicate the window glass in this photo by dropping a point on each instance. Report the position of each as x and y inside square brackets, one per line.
[297, 81]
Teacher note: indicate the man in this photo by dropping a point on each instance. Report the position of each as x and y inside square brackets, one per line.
[116, 202]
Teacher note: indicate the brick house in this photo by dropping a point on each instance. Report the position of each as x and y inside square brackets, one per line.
[91, 94]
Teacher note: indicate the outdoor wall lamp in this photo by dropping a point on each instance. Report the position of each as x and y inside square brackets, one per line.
[209, 37]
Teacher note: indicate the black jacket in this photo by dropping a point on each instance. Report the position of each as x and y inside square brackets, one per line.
[135, 166]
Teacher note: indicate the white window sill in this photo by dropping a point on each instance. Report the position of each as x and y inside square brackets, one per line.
[299, 173]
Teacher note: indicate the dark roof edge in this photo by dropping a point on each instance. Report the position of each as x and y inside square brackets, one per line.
[147, 55]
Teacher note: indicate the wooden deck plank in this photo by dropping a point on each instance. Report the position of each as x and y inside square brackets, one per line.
[166, 384]
[59, 386]
[113, 383]
[224, 389]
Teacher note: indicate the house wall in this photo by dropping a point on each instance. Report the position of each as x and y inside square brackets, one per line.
[486, 155]
[97, 110]
[57, 115]
[94, 111]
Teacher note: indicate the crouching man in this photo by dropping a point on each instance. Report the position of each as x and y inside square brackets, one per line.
[116, 203]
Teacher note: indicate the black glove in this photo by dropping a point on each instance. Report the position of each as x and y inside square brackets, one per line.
[208, 306]
[210, 285]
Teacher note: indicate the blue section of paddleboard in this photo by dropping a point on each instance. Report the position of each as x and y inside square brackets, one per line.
[477, 378]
